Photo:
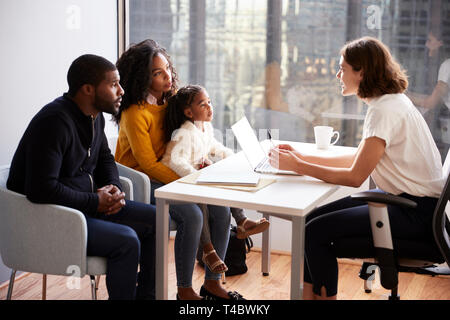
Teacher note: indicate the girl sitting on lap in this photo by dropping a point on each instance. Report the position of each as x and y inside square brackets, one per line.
[191, 147]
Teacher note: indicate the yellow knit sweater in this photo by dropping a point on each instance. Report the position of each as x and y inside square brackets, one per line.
[141, 141]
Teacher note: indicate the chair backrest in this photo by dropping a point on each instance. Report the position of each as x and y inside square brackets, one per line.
[40, 238]
[446, 165]
[127, 187]
[445, 173]
[141, 187]
[440, 222]
[141, 183]
[4, 173]
[112, 143]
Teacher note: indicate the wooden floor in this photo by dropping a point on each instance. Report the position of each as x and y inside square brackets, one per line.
[252, 285]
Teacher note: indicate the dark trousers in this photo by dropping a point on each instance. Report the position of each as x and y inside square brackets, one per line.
[342, 229]
[126, 239]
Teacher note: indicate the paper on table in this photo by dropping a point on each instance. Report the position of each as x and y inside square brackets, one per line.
[192, 178]
[242, 179]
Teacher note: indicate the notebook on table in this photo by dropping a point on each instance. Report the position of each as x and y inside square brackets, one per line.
[228, 178]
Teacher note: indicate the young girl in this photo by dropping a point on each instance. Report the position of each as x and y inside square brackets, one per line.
[192, 146]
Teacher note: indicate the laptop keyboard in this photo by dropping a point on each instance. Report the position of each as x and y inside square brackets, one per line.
[265, 167]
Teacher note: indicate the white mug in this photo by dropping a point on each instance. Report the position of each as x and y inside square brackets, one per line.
[323, 135]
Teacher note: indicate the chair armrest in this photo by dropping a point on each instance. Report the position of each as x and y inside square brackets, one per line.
[384, 198]
[127, 187]
[381, 233]
[41, 238]
[141, 183]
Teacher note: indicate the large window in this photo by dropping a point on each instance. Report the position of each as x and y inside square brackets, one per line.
[275, 61]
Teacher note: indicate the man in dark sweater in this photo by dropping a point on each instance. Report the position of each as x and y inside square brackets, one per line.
[63, 158]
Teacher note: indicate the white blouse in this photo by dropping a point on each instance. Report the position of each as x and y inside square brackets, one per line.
[411, 162]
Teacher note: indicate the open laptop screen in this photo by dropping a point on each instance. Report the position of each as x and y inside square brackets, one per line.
[248, 141]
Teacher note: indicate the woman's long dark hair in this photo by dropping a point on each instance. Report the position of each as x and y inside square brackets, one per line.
[135, 77]
[176, 105]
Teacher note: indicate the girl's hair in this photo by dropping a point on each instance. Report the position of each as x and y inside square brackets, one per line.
[135, 76]
[381, 74]
[176, 105]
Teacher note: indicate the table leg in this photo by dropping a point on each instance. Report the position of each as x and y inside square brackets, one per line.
[265, 261]
[162, 239]
[297, 257]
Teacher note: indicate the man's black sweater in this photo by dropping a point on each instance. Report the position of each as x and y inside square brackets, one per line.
[63, 157]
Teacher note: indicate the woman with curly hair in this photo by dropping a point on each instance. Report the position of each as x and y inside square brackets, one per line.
[396, 150]
[149, 79]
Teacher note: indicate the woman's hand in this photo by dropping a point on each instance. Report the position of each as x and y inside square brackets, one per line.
[284, 159]
[287, 147]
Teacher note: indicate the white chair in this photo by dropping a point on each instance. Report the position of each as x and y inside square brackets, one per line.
[112, 143]
[141, 187]
[46, 238]
[140, 181]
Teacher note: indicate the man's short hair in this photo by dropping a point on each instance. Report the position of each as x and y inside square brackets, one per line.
[87, 69]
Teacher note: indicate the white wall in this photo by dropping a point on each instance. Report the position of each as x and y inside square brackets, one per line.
[38, 41]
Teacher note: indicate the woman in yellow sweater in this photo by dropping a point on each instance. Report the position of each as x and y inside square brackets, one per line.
[149, 79]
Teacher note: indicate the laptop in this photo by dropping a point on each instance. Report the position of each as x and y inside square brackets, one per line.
[258, 159]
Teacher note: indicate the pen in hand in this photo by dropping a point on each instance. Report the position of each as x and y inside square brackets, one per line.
[270, 138]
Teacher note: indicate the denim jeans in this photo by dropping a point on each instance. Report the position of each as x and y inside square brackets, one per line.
[205, 237]
[126, 239]
[189, 219]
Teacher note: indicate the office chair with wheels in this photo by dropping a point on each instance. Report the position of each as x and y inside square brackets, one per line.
[422, 259]
[46, 238]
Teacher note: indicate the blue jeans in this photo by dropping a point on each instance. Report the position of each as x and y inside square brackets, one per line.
[189, 219]
[126, 239]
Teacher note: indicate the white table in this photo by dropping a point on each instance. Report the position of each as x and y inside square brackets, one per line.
[290, 197]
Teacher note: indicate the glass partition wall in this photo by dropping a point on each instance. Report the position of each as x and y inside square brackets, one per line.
[275, 61]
